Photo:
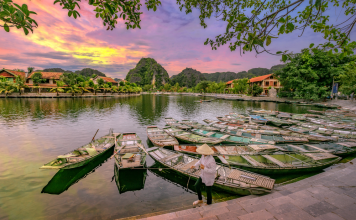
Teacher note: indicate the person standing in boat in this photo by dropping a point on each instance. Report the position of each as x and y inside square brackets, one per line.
[207, 175]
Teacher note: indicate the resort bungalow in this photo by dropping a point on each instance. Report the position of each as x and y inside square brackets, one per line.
[50, 79]
[229, 85]
[266, 82]
[10, 75]
[106, 80]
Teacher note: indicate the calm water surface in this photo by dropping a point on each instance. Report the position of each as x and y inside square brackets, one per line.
[34, 131]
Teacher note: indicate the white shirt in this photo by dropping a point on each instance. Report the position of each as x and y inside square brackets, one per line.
[208, 173]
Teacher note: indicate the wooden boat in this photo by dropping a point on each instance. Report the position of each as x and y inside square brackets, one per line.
[188, 137]
[338, 148]
[301, 130]
[204, 100]
[284, 115]
[299, 117]
[170, 120]
[338, 133]
[188, 122]
[82, 155]
[177, 124]
[332, 124]
[267, 132]
[208, 121]
[274, 138]
[160, 138]
[316, 112]
[233, 126]
[232, 180]
[129, 151]
[201, 126]
[129, 180]
[231, 139]
[311, 115]
[264, 112]
[278, 122]
[258, 119]
[65, 178]
[231, 120]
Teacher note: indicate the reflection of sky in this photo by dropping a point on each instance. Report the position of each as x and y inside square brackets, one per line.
[174, 39]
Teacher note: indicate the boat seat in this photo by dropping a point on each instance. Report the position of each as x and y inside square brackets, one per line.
[279, 163]
[185, 133]
[225, 136]
[221, 150]
[125, 163]
[251, 178]
[171, 157]
[209, 133]
[252, 161]
[317, 148]
[188, 165]
[298, 148]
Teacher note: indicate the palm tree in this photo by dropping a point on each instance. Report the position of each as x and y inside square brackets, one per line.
[7, 87]
[96, 88]
[114, 89]
[83, 86]
[106, 87]
[30, 70]
[58, 89]
[73, 89]
[20, 84]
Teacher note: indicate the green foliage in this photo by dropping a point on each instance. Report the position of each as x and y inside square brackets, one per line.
[240, 86]
[122, 83]
[309, 75]
[20, 84]
[30, 70]
[13, 15]
[100, 82]
[202, 86]
[91, 83]
[73, 89]
[37, 78]
[147, 88]
[188, 77]
[59, 88]
[88, 72]
[257, 90]
[69, 78]
[109, 84]
[347, 79]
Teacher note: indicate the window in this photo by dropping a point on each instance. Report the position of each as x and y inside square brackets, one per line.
[266, 83]
[54, 81]
[275, 83]
[271, 77]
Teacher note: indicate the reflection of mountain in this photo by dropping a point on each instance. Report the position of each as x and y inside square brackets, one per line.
[65, 178]
[150, 109]
[129, 179]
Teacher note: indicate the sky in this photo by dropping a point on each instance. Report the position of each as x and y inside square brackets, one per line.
[172, 38]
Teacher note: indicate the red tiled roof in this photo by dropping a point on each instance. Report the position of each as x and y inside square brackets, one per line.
[108, 79]
[49, 75]
[45, 85]
[17, 73]
[260, 78]
[228, 83]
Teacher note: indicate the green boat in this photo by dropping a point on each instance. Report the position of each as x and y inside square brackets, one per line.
[275, 138]
[278, 122]
[231, 139]
[65, 178]
[175, 123]
[82, 155]
[129, 152]
[228, 179]
[301, 130]
[129, 180]
[160, 138]
[338, 133]
[268, 159]
[299, 117]
[339, 148]
[187, 137]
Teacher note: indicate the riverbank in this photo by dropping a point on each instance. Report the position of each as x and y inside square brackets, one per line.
[328, 195]
[64, 95]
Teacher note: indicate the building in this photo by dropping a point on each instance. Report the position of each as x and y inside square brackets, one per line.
[230, 85]
[10, 75]
[50, 79]
[106, 80]
[266, 82]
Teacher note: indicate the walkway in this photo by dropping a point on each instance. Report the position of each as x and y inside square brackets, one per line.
[327, 196]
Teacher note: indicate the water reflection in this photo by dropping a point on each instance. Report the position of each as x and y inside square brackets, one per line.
[129, 179]
[65, 178]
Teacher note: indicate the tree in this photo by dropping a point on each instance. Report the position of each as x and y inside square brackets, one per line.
[91, 83]
[73, 89]
[347, 79]
[309, 74]
[30, 70]
[255, 90]
[96, 88]
[122, 83]
[83, 87]
[100, 82]
[20, 84]
[110, 84]
[250, 25]
[167, 87]
[202, 86]
[69, 78]
[37, 78]
[114, 89]
[59, 88]
[240, 86]
[14, 15]
[106, 88]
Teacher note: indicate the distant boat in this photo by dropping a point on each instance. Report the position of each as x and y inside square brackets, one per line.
[188, 137]
[204, 100]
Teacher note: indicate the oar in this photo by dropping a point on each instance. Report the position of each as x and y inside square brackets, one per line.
[117, 151]
[143, 148]
[95, 135]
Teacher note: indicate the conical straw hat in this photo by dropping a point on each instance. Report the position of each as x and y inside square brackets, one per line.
[205, 150]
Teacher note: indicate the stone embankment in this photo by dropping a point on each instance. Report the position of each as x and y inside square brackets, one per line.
[330, 195]
[64, 95]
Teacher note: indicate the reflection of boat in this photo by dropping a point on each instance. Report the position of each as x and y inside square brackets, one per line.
[228, 179]
[64, 178]
[129, 153]
[83, 155]
[130, 179]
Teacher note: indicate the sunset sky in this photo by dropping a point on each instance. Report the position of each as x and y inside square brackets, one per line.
[171, 37]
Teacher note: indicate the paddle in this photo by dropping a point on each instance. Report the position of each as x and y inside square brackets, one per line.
[95, 135]
[117, 151]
